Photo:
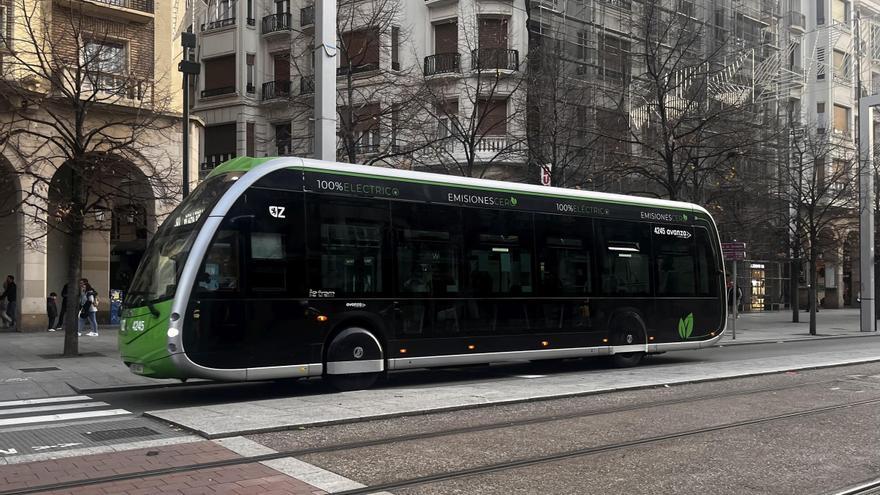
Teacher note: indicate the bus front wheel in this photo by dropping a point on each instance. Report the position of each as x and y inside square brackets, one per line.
[627, 330]
[354, 360]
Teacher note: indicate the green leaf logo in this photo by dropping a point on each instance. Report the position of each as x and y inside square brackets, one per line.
[686, 326]
[513, 201]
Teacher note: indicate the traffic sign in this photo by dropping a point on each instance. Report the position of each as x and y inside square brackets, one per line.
[734, 250]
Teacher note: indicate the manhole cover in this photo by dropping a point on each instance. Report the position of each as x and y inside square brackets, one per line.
[37, 370]
[105, 435]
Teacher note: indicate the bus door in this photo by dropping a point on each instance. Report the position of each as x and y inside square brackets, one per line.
[565, 268]
[498, 268]
[427, 273]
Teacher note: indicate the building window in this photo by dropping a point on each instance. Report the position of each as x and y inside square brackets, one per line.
[3, 22]
[820, 63]
[250, 12]
[220, 142]
[250, 138]
[395, 48]
[105, 57]
[491, 117]
[841, 65]
[282, 138]
[840, 11]
[360, 51]
[447, 117]
[841, 119]
[613, 58]
[446, 37]
[219, 76]
[395, 126]
[250, 73]
[581, 52]
[820, 11]
[493, 33]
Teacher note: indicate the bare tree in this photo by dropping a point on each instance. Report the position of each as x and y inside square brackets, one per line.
[818, 186]
[473, 122]
[690, 109]
[81, 115]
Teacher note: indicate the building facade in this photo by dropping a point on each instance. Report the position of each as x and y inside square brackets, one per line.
[117, 59]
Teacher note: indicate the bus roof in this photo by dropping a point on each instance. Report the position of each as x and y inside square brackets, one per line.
[244, 164]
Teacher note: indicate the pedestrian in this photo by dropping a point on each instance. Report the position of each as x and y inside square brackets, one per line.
[88, 308]
[60, 325]
[52, 310]
[10, 295]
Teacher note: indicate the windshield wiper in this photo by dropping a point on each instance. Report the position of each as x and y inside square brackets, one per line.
[153, 310]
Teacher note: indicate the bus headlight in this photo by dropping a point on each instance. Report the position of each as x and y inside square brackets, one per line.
[173, 332]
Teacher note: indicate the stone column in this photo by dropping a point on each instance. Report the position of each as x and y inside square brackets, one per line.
[32, 281]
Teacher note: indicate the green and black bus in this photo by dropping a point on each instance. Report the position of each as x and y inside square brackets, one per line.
[288, 267]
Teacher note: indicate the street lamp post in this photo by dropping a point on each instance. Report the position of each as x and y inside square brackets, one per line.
[325, 79]
[188, 68]
[866, 212]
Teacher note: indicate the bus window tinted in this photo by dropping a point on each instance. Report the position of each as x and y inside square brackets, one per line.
[427, 247]
[499, 252]
[346, 245]
[674, 257]
[220, 271]
[707, 270]
[564, 255]
[625, 258]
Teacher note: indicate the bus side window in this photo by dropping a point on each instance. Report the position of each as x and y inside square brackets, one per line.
[707, 270]
[674, 258]
[220, 270]
[564, 255]
[347, 245]
[625, 258]
[499, 252]
[427, 249]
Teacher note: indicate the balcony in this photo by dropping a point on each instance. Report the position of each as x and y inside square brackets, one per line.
[495, 59]
[132, 10]
[219, 23]
[307, 85]
[442, 63]
[796, 21]
[115, 88]
[356, 69]
[212, 161]
[225, 90]
[276, 23]
[307, 16]
[274, 90]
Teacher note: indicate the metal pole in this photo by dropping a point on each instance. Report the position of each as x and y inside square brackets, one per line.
[325, 79]
[866, 217]
[735, 298]
[185, 128]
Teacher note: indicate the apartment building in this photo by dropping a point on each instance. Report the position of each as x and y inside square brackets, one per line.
[128, 50]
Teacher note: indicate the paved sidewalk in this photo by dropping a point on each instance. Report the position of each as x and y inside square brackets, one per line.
[25, 357]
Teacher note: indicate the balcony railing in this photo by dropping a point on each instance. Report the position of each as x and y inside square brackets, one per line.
[307, 16]
[366, 148]
[141, 5]
[212, 161]
[207, 93]
[495, 58]
[276, 89]
[499, 143]
[250, 88]
[109, 86]
[796, 20]
[251, 21]
[219, 23]
[307, 85]
[356, 69]
[442, 63]
[276, 22]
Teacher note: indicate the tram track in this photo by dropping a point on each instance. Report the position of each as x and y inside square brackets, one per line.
[871, 487]
[483, 428]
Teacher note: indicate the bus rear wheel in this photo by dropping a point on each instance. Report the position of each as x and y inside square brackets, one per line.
[626, 330]
[354, 360]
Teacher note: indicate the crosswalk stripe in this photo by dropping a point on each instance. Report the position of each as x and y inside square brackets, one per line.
[57, 407]
[62, 417]
[47, 400]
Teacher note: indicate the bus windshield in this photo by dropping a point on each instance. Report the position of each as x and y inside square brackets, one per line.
[157, 275]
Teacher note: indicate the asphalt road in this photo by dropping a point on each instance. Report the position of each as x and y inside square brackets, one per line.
[199, 394]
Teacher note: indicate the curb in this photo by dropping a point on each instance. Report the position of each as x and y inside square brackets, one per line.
[147, 386]
[783, 340]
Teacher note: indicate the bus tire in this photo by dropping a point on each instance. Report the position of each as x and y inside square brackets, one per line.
[627, 329]
[354, 360]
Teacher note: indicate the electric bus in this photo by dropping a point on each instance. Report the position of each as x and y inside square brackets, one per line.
[288, 267]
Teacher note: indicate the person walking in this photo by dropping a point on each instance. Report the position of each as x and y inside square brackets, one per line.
[10, 294]
[60, 325]
[52, 310]
[88, 308]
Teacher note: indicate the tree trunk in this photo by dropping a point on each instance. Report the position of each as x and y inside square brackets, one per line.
[812, 295]
[794, 294]
[71, 317]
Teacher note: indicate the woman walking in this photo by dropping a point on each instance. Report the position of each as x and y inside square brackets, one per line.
[88, 304]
